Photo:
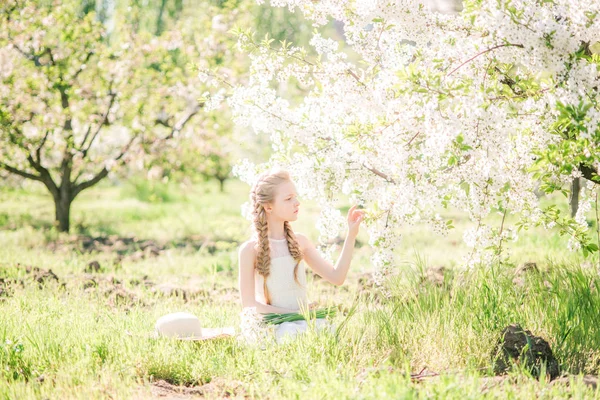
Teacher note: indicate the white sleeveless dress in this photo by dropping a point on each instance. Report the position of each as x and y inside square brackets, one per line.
[285, 291]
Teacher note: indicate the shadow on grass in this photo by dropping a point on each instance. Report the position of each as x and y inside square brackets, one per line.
[10, 222]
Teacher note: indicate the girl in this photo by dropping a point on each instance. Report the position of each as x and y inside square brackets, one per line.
[271, 274]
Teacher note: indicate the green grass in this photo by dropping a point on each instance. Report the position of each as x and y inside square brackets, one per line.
[66, 341]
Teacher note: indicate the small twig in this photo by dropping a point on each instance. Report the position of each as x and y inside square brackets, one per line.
[387, 126]
[103, 122]
[598, 229]
[182, 122]
[38, 151]
[500, 234]
[476, 239]
[353, 74]
[517, 96]
[275, 115]
[483, 52]
[379, 173]
[421, 375]
[413, 138]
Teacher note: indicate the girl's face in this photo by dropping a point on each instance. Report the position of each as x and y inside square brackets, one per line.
[285, 206]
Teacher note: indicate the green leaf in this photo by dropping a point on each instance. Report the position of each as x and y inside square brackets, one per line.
[466, 187]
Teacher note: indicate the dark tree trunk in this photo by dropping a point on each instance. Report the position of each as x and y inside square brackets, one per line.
[159, 19]
[222, 184]
[62, 208]
[575, 189]
[589, 173]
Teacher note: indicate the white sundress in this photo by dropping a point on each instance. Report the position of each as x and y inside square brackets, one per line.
[285, 291]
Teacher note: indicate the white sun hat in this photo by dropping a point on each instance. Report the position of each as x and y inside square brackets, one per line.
[186, 326]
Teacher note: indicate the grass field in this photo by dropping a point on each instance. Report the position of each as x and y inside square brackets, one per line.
[82, 331]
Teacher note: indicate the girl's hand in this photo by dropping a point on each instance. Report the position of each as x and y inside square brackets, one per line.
[355, 217]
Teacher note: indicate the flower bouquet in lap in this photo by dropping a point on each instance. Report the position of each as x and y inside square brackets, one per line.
[312, 313]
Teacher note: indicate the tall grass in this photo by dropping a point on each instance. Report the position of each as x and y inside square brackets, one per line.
[69, 341]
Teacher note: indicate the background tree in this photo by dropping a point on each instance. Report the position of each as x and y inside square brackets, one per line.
[77, 103]
[217, 143]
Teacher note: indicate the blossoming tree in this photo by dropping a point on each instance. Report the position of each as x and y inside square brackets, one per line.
[76, 103]
[474, 110]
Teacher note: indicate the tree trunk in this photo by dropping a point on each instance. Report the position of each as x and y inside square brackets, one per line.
[159, 19]
[62, 206]
[222, 184]
[575, 189]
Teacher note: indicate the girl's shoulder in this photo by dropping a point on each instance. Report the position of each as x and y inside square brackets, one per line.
[250, 243]
[303, 241]
[248, 248]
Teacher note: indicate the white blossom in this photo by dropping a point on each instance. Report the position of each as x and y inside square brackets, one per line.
[428, 116]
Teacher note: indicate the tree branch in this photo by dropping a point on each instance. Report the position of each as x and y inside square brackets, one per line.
[353, 74]
[274, 115]
[85, 137]
[379, 173]
[181, 123]
[84, 152]
[102, 174]
[483, 52]
[20, 173]
[589, 173]
[38, 151]
[32, 57]
[84, 185]
[44, 175]
[413, 138]
[81, 68]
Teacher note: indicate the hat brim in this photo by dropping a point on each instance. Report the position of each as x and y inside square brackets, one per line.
[207, 334]
[212, 333]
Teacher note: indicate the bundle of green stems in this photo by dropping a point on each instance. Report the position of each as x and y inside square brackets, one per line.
[276, 318]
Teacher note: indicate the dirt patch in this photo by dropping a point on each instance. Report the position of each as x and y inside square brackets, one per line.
[521, 347]
[527, 267]
[217, 387]
[34, 275]
[112, 288]
[118, 296]
[523, 271]
[92, 267]
[487, 383]
[197, 290]
[120, 293]
[6, 287]
[133, 248]
[185, 293]
[435, 275]
[588, 380]
[144, 281]
[490, 382]
[40, 275]
[366, 283]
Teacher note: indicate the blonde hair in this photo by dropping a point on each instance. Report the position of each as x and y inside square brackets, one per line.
[263, 192]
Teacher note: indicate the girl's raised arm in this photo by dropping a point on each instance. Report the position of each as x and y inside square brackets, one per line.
[335, 275]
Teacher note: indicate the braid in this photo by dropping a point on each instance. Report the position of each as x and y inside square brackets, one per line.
[263, 258]
[294, 248]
